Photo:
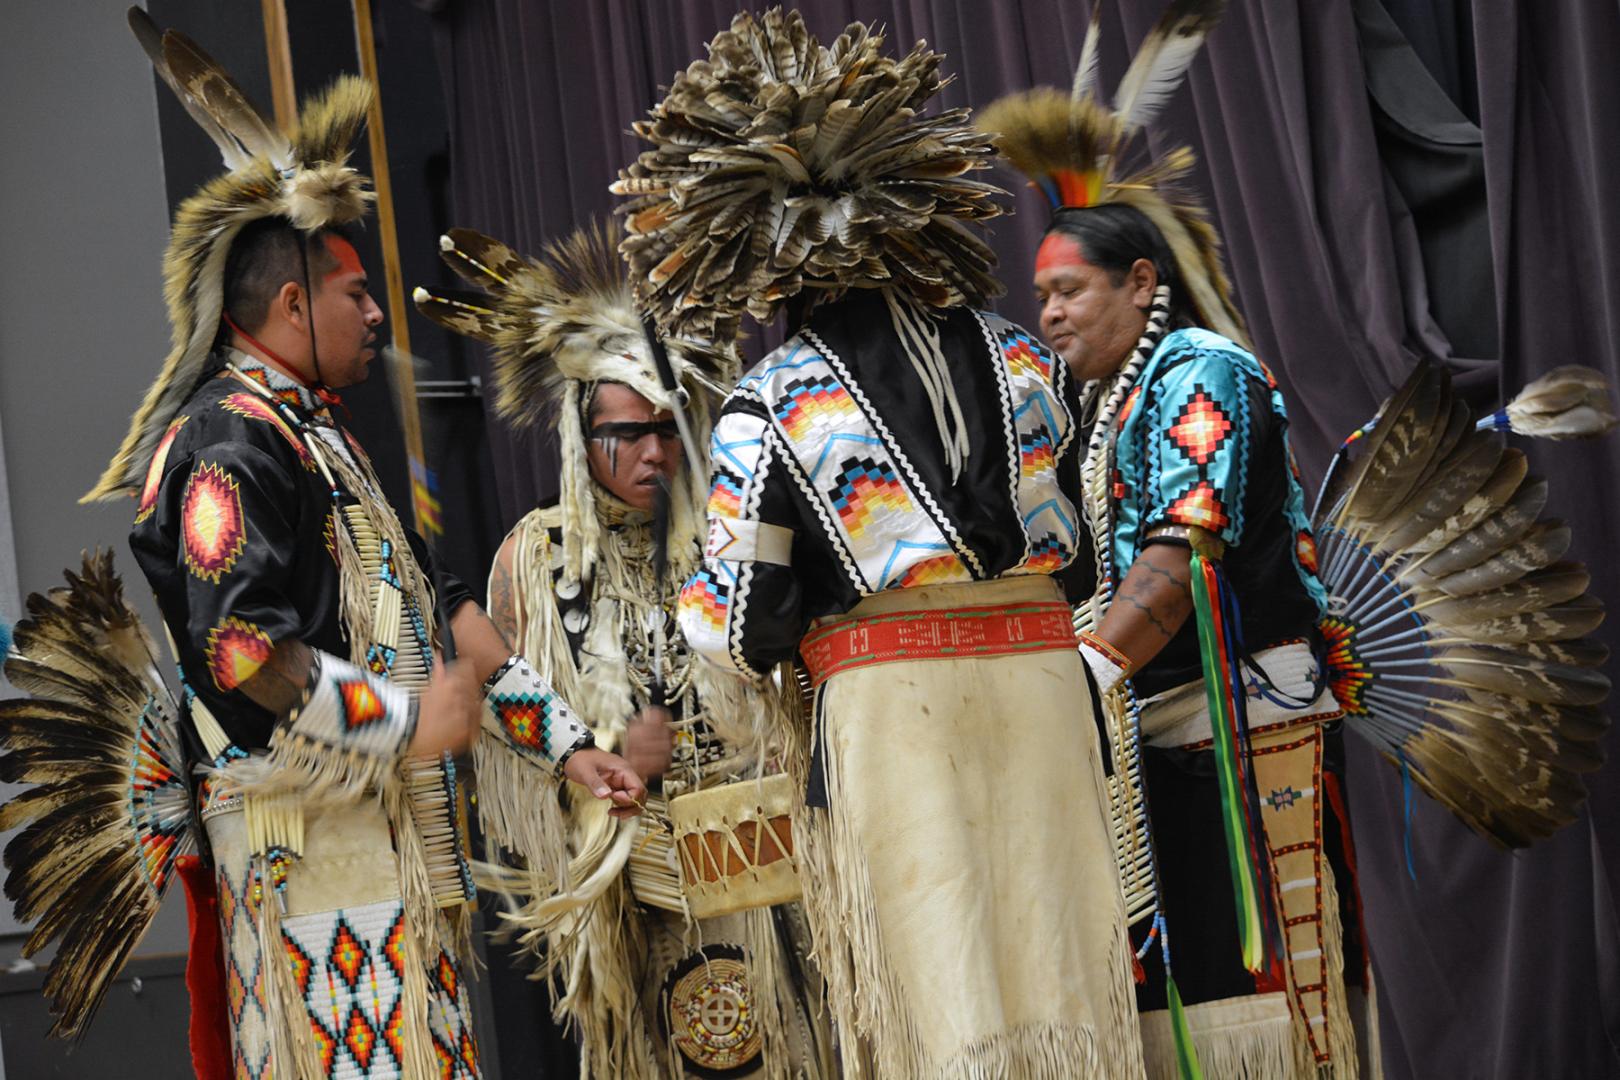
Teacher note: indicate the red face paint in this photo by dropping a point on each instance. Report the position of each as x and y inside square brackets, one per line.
[1058, 249]
[348, 259]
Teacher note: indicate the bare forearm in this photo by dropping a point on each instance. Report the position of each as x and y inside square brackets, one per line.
[1151, 604]
[478, 641]
[280, 682]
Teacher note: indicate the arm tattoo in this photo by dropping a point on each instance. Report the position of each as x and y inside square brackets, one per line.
[280, 682]
[502, 605]
[1131, 599]
[1167, 575]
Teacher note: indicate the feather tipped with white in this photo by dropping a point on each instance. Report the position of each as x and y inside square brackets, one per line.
[211, 87]
[1162, 61]
[1085, 72]
[1571, 402]
[151, 39]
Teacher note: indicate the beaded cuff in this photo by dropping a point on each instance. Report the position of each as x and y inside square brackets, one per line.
[521, 709]
[348, 709]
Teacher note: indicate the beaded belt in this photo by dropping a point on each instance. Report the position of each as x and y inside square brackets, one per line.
[993, 630]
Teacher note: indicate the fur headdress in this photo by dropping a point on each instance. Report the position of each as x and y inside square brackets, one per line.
[559, 325]
[780, 164]
[302, 177]
[1073, 146]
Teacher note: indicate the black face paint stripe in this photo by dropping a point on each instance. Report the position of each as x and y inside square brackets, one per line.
[631, 431]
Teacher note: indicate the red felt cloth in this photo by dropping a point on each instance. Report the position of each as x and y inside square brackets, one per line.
[205, 973]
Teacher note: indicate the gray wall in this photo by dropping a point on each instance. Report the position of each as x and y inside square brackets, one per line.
[83, 221]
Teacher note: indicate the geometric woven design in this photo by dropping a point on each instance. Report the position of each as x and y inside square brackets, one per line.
[1200, 506]
[1035, 452]
[351, 988]
[708, 597]
[527, 716]
[811, 402]
[1025, 357]
[449, 1020]
[244, 980]
[1200, 429]
[154, 472]
[526, 719]
[1047, 556]
[236, 650]
[213, 532]
[725, 495]
[361, 705]
[866, 492]
[711, 1014]
[936, 570]
[254, 407]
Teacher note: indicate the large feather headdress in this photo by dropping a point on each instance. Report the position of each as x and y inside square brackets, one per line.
[559, 325]
[1073, 148]
[780, 164]
[302, 177]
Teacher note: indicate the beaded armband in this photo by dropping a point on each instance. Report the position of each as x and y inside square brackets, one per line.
[1199, 539]
[352, 711]
[1108, 665]
[522, 710]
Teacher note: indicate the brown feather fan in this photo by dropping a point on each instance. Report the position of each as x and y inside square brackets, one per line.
[781, 164]
[112, 812]
[1456, 636]
[304, 178]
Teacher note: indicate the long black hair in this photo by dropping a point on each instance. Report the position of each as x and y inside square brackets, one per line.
[1113, 236]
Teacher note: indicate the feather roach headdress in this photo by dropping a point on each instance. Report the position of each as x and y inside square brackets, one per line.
[559, 325]
[302, 177]
[1073, 148]
[780, 164]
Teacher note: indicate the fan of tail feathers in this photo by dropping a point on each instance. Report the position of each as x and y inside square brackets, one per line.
[109, 813]
[1456, 630]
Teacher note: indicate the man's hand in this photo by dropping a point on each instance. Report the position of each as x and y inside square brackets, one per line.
[449, 712]
[649, 741]
[608, 776]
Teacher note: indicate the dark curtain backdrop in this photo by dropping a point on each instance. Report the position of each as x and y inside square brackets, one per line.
[1412, 178]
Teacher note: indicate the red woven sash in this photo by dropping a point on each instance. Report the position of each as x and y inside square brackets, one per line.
[993, 630]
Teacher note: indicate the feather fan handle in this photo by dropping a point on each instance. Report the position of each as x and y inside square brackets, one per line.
[1571, 402]
[1161, 63]
[1085, 73]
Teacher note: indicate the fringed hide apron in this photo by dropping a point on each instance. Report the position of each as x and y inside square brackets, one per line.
[960, 881]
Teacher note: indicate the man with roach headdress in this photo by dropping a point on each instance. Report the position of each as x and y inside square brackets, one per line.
[586, 589]
[317, 710]
[887, 506]
[1226, 647]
